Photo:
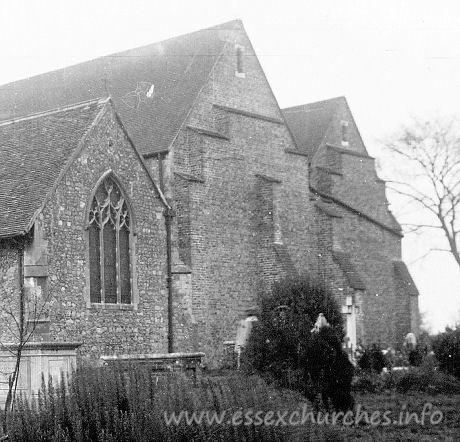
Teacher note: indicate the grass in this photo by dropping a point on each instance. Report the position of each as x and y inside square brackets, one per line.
[448, 429]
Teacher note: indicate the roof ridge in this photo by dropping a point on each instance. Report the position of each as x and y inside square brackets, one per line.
[209, 28]
[99, 101]
[178, 72]
[174, 37]
[123, 51]
[219, 26]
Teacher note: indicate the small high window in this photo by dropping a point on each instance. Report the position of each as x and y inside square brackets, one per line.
[239, 62]
[109, 226]
[344, 125]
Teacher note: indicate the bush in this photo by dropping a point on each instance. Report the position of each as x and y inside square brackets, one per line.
[368, 382]
[416, 357]
[425, 378]
[446, 347]
[372, 359]
[329, 369]
[284, 349]
[421, 379]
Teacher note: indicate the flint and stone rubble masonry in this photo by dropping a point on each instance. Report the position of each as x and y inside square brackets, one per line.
[219, 232]
[135, 329]
[9, 289]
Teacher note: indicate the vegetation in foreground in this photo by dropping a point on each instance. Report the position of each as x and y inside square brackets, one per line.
[106, 404]
[110, 404]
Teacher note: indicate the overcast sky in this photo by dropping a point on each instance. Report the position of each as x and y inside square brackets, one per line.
[391, 59]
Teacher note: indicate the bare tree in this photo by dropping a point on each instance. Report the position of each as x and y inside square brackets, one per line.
[21, 312]
[427, 158]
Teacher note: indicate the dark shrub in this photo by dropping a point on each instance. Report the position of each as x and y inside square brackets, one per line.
[446, 347]
[372, 359]
[416, 357]
[425, 378]
[329, 369]
[283, 347]
[368, 382]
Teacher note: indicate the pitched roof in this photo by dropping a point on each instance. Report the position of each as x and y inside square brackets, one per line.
[153, 87]
[309, 122]
[347, 267]
[404, 277]
[34, 150]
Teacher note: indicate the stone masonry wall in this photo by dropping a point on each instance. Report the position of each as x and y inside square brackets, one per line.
[224, 194]
[386, 309]
[360, 187]
[106, 330]
[330, 272]
[403, 324]
[372, 250]
[334, 133]
[9, 290]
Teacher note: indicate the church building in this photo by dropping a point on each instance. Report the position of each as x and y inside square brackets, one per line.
[149, 196]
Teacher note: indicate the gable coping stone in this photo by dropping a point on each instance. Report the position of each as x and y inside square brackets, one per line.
[327, 170]
[189, 177]
[296, 152]
[250, 114]
[209, 132]
[349, 152]
[268, 178]
[358, 212]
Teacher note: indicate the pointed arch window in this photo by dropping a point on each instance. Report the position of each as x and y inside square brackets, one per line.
[109, 226]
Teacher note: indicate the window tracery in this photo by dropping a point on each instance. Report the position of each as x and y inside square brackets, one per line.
[109, 225]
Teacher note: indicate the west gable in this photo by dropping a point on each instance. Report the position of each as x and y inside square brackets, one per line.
[106, 155]
[107, 150]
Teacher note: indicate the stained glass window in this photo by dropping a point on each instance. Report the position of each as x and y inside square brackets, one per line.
[109, 245]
